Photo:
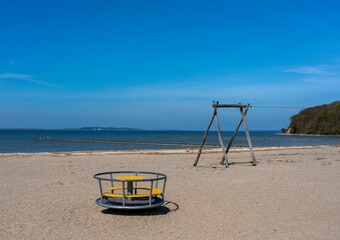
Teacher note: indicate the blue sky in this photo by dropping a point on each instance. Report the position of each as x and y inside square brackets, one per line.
[158, 65]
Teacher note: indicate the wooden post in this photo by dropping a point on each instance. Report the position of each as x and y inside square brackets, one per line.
[205, 136]
[224, 158]
[248, 136]
[230, 105]
[234, 135]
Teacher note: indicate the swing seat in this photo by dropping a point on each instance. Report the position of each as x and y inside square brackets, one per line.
[155, 192]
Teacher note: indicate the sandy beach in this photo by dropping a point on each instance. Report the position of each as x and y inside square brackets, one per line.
[293, 193]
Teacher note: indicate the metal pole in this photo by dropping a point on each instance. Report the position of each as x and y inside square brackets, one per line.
[130, 187]
[150, 197]
[157, 181]
[123, 183]
[101, 190]
[136, 183]
[248, 136]
[163, 188]
[111, 182]
[205, 136]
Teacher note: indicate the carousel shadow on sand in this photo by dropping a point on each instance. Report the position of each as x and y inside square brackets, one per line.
[166, 208]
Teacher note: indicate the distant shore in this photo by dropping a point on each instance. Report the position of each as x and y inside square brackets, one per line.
[312, 135]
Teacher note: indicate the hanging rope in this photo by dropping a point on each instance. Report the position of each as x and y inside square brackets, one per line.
[277, 107]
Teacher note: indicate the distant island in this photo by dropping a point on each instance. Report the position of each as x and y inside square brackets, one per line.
[80, 129]
[109, 129]
[322, 120]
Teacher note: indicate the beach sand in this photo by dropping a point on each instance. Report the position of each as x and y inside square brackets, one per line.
[293, 193]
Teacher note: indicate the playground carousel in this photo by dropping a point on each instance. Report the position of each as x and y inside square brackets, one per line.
[131, 189]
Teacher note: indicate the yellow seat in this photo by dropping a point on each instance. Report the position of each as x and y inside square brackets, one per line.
[155, 191]
[130, 178]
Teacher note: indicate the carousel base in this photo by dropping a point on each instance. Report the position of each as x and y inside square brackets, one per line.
[130, 203]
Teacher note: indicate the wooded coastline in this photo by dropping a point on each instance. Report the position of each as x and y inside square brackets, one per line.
[318, 120]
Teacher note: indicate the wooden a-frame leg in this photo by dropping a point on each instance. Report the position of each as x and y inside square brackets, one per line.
[224, 158]
[233, 137]
[205, 137]
[248, 136]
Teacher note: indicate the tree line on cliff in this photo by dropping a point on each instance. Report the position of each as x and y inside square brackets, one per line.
[323, 120]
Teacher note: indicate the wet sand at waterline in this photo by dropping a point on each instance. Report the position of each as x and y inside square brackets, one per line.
[293, 193]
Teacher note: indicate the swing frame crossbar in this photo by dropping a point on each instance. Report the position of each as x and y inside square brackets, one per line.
[224, 159]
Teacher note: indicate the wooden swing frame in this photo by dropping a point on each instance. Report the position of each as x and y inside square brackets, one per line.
[224, 159]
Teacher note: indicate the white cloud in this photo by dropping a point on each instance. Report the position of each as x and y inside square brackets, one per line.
[27, 78]
[325, 70]
[224, 88]
[14, 75]
[307, 70]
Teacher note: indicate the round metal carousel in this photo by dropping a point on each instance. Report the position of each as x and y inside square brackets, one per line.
[131, 189]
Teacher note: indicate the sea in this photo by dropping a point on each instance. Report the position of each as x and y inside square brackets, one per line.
[25, 141]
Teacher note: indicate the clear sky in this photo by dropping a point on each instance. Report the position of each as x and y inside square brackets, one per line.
[159, 64]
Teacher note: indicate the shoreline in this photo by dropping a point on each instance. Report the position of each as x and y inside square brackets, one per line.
[162, 151]
[305, 134]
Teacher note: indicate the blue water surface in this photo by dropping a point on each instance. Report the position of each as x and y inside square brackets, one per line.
[23, 141]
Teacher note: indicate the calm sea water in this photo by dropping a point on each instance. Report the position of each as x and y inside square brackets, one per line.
[24, 140]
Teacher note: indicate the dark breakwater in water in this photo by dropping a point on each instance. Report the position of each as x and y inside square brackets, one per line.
[24, 140]
[124, 142]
